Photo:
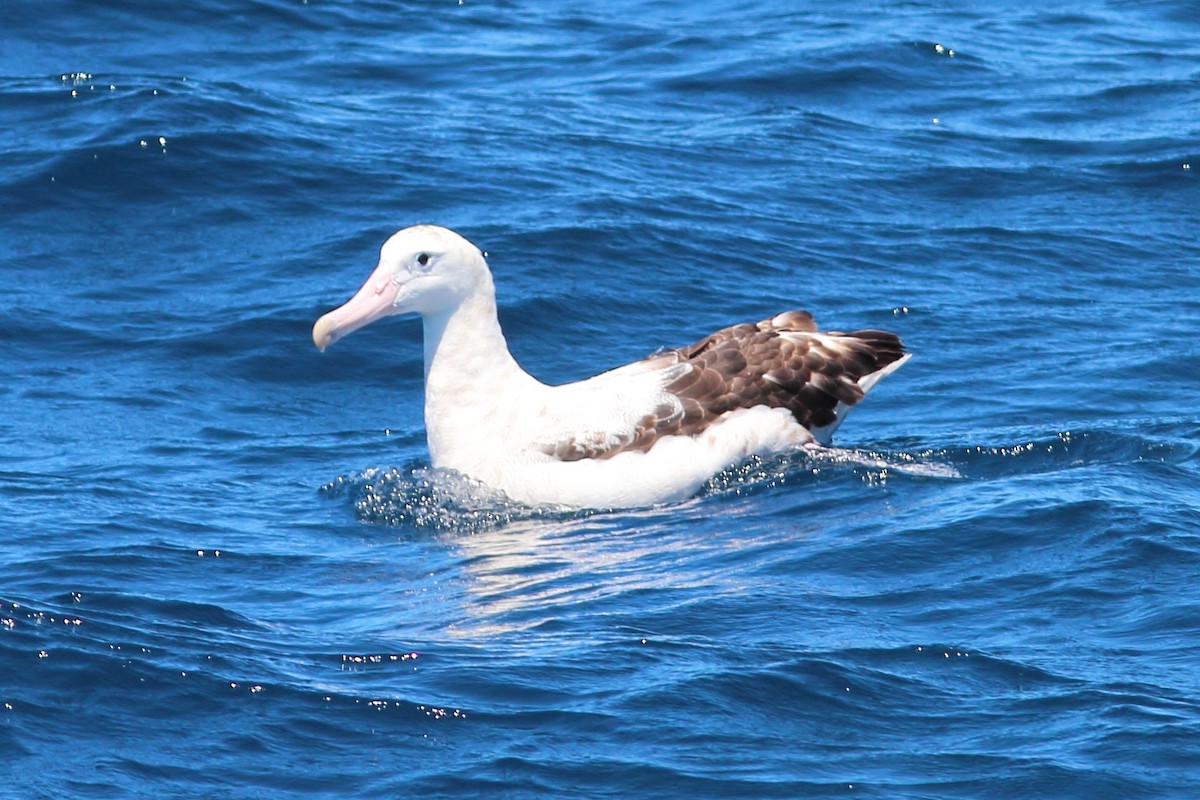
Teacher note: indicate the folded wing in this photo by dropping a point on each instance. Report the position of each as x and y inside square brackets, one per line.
[781, 362]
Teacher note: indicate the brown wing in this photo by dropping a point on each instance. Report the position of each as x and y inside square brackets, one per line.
[782, 362]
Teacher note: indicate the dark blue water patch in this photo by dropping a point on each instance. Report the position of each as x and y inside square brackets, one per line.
[810, 74]
[159, 173]
[358, 720]
[1172, 10]
[173, 145]
[1072, 450]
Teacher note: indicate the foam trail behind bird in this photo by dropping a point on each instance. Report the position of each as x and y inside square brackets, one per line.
[649, 432]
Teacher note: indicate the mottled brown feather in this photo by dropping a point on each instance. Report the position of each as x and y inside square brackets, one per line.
[775, 363]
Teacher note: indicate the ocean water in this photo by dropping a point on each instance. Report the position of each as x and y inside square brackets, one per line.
[227, 570]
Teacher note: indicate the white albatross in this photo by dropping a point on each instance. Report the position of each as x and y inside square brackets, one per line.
[646, 433]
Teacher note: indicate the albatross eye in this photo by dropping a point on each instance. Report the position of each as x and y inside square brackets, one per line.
[423, 259]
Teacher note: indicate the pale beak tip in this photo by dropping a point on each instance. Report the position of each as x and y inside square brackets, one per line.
[375, 299]
[322, 336]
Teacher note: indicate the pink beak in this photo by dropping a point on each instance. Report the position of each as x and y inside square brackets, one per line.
[376, 298]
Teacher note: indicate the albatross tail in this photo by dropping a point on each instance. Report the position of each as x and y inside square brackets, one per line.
[888, 353]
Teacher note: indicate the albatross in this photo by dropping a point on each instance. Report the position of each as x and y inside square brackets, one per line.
[647, 433]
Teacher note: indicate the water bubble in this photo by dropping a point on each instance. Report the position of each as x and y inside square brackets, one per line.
[432, 499]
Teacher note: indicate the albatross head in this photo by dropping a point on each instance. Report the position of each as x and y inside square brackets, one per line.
[425, 270]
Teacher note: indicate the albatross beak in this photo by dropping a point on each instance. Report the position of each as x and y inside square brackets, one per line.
[376, 298]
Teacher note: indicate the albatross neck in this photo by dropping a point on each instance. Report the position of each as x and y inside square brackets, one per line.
[468, 371]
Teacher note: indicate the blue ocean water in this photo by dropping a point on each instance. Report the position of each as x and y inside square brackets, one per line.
[227, 571]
